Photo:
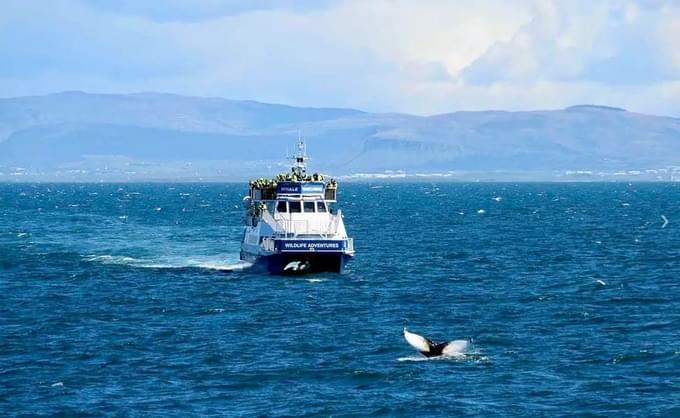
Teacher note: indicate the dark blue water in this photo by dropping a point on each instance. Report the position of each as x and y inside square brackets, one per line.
[118, 300]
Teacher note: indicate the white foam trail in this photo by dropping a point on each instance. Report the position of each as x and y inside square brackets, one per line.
[111, 259]
[665, 221]
[232, 266]
[213, 263]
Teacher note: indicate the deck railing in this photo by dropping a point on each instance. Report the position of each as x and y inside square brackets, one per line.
[296, 227]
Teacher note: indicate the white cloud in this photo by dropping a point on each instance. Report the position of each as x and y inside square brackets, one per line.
[195, 10]
[387, 55]
[610, 42]
[668, 36]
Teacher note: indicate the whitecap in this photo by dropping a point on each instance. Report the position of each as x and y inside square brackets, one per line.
[481, 211]
[316, 280]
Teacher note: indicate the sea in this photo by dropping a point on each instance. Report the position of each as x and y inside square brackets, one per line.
[130, 300]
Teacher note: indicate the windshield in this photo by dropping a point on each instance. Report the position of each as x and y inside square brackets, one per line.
[295, 207]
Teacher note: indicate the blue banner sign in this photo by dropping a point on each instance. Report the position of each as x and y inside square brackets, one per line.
[300, 188]
[289, 188]
[303, 246]
[312, 188]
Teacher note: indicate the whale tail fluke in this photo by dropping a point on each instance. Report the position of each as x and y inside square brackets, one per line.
[455, 348]
[421, 344]
[431, 349]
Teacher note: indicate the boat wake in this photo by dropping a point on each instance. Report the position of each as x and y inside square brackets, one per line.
[217, 263]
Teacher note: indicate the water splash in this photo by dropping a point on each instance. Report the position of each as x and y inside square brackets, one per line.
[457, 357]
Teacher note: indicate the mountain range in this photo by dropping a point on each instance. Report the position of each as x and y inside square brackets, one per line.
[76, 135]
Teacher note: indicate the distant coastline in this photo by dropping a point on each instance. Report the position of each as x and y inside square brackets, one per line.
[76, 136]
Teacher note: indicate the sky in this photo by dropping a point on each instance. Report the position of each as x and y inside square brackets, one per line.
[416, 56]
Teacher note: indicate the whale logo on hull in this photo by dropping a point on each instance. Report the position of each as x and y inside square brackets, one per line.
[296, 266]
[429, 348]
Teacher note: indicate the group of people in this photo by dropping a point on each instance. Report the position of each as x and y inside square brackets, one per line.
[263, 183]
[296, 177]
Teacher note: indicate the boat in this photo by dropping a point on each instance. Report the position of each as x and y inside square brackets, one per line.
[292, 225]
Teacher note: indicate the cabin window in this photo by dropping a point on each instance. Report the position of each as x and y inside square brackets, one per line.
[309, 207]
[281, 207]
[320, 206]
[295, 207]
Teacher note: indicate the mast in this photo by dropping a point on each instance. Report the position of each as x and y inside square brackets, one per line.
[300, 159]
